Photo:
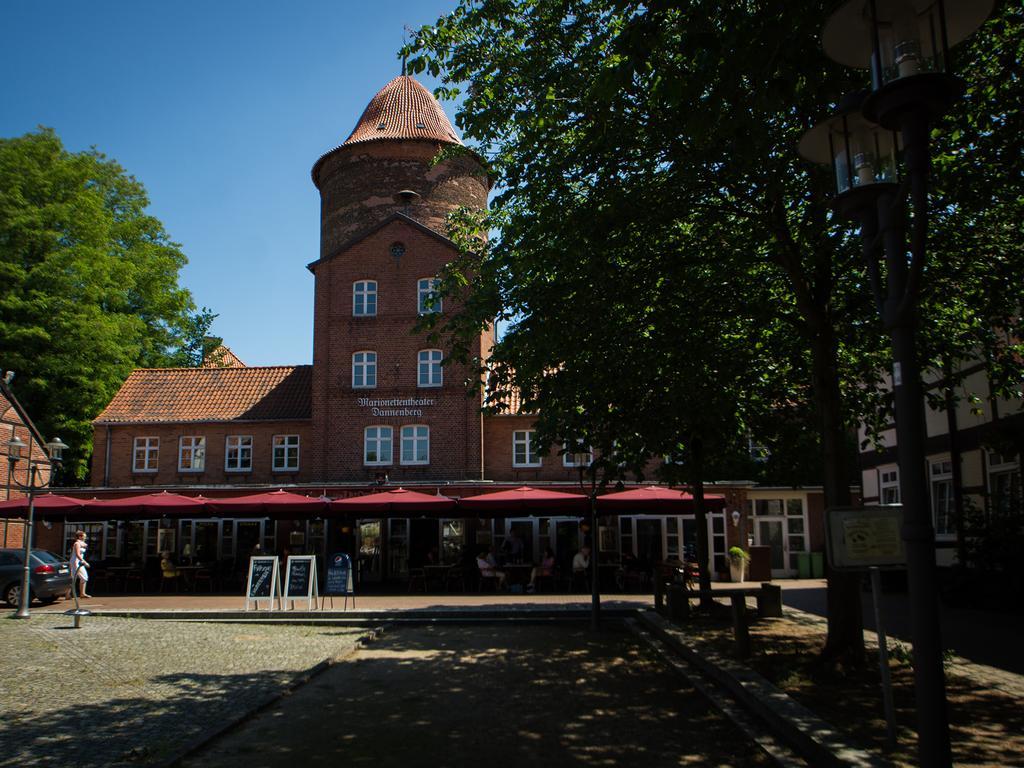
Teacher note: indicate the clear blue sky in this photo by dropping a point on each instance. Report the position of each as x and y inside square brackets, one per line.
[220, 109]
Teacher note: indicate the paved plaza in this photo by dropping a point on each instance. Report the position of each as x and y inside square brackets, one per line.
[121, 692]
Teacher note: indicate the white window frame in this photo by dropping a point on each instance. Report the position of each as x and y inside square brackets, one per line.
[425, 288]
[889, 480]
[289, 445]
[420, 433]
[237, 445]
[525, 438]
[364, 365]
[193, 447]
[999, 466]
[150, 448]
[431, 358]
[940, 470]
[379, 441]
[570, 460]
[362, 293]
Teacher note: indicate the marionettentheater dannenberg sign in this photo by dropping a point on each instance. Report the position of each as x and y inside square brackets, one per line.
[395, 406]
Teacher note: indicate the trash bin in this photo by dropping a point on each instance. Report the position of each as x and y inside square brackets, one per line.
[817, 565]
[803, 565]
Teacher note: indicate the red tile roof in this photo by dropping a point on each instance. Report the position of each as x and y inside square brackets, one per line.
[212, 394]
[403, 109]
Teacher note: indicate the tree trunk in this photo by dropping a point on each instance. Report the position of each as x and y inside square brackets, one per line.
[701, 514]
[845, 643]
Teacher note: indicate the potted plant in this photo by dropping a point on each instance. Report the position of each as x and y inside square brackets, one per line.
[738, 560]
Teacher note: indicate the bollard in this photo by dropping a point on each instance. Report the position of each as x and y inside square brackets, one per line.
[769, 601]
[77, 613]
[678, 604]
[740, 627]
[659, 594]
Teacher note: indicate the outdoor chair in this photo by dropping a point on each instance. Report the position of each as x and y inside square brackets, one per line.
[205, 576]
[455, 576]
[490, 582]
[168, 573]
[135, 576]
[418, 579]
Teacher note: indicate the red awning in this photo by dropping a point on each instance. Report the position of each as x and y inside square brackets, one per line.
[279, 504]
[45, 504]
[525, 500]
[396, 501]
[149, 505]
[655, 499]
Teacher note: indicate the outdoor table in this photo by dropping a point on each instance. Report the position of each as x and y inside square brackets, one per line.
[517, 573]
[120, 573]
[187, 573]
[436, 573]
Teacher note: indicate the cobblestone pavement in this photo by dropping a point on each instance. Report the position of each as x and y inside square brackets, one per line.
[501, 695]
[121, 692]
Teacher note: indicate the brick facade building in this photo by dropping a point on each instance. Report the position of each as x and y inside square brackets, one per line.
[15, 423]
[378, 404]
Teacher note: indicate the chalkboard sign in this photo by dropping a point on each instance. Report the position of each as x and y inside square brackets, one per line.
[339, 578]
[300, 579]
[264, 582]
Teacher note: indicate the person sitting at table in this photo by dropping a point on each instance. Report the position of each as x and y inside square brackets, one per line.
[546, 569]
[489, 567]
[581, 565]
[512, 547]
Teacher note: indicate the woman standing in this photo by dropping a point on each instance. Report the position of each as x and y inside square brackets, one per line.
[79, 567]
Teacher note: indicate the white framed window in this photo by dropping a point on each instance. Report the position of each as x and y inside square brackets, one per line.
[377, 445]
[581, 456]
[889, 485]
[1003, 483]
[941, 479]
[238, 453]
[415, 444]
[145, 454]
[364, 298]
[191, 453]
[364, 370]
[524, 450]
[427, 299]
[286, 453]
[428, 368]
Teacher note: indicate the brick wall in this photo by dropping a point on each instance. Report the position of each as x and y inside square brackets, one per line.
[453, 416]
[358, 184]
[122, 439]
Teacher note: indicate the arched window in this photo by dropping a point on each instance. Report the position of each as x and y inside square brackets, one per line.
[377, 445]
[415, 444]
[428, 300]
[364, 298]
[364, 370]
[428, 368]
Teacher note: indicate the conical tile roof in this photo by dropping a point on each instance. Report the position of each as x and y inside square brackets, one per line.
[403, 109]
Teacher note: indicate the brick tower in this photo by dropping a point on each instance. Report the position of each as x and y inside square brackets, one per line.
[382, 403]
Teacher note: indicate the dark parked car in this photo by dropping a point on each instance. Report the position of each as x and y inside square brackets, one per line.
[50, 576]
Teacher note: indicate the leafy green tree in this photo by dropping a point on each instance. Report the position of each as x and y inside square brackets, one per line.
[90, 286]
[660, 116]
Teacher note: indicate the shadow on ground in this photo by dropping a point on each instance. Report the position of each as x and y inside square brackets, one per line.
[500, 695]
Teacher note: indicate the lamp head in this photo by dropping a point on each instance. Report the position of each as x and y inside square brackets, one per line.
[736, 518]
[55, 448]
[15, 447]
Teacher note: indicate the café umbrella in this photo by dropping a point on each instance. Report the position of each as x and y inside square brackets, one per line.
[655, 499]
[397, 501]
[525, 500]
[149, 505]
[278, 504]
[47, 505]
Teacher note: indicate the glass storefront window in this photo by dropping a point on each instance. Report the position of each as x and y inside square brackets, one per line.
[453, 540]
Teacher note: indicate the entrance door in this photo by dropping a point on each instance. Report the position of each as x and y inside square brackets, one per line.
[649, 541]
[771, 533]
[368, 566]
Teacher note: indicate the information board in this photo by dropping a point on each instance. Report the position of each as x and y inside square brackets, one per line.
[338, 581]
[300, 579]
[858, 538]
[264, 583]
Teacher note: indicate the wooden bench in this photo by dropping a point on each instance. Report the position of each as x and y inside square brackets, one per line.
[675, 600]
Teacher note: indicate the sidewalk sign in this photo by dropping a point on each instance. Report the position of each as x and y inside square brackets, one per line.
[300, 580]
[338, 581]
[264, 583]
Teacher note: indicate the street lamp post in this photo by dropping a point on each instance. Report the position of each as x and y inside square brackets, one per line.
[15, 447]
[905, 44]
